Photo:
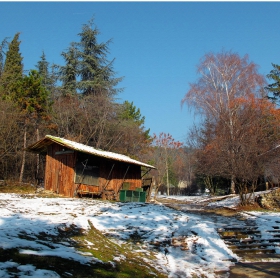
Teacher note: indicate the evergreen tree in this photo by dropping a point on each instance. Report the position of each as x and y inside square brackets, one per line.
[13, 69]
[135, 140]
[274, 88]
[43, 71]
[95, 71]
[2, 55]
[129, 112]
[68, 73]
[32, 98]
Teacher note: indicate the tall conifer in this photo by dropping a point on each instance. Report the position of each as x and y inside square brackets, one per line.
[43, 71]
[13, 69]
[88, 70]
[96, 71]
[69, 72]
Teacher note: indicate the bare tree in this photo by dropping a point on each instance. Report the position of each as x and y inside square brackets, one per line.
[254, 149]
[223, 78]
[10, 139]
[166, 152]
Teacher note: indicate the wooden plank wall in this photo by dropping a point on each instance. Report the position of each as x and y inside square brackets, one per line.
[120, 174]
[117, 177]
[59, 173]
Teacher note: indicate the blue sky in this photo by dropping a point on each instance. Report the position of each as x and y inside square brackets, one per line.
[157, 45]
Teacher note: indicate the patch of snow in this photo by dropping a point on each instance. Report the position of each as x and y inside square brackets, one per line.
[24, 271]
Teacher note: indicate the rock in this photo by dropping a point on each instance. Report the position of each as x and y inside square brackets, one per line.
[269, 200]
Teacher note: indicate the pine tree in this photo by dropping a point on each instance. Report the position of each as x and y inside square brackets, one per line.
[13, 69]
[43, 71]
[95, 70]
[68, 73]
[129, 112]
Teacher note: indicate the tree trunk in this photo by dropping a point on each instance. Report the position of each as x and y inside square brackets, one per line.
[156, 191]
[167, 177]
[37, 158]
[232, 185]
[23, 156]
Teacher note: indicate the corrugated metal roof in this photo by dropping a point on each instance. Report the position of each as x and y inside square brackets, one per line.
[41, 146]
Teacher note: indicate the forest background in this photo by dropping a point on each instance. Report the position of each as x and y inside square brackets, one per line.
[234, 145]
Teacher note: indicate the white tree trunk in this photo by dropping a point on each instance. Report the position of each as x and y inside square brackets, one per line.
[232, 185]
[23, 157]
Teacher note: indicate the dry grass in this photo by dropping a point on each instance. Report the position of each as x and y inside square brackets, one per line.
[15, 187]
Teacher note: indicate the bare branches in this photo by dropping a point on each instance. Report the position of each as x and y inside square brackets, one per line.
[238, 126]
[166, 149]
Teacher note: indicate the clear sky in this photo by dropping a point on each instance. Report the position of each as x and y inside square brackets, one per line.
[157, 45]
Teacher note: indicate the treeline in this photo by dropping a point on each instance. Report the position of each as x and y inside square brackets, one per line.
[76, 101]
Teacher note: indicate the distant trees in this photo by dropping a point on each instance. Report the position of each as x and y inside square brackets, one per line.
[165, 152]
[239, 126]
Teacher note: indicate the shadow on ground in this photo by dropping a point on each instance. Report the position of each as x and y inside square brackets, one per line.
[255, 270]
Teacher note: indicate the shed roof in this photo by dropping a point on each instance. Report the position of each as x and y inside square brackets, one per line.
[41, 146]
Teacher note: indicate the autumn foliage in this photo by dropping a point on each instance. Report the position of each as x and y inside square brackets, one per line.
[239, 132]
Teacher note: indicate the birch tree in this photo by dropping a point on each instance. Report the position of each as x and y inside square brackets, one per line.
[223, 78]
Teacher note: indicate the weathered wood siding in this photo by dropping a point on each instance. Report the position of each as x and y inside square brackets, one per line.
[60, 173]
[121, 173]
[112, 177]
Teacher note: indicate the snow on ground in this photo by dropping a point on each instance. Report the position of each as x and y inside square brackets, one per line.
[229, 201]
[265, 222]
[203, 255]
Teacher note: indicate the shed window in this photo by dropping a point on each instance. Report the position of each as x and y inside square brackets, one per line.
[87, 171]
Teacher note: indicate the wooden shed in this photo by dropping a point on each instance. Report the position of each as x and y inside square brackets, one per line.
[73, 169]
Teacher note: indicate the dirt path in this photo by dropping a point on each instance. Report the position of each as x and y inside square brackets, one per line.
[227, 216]
[255, 270]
